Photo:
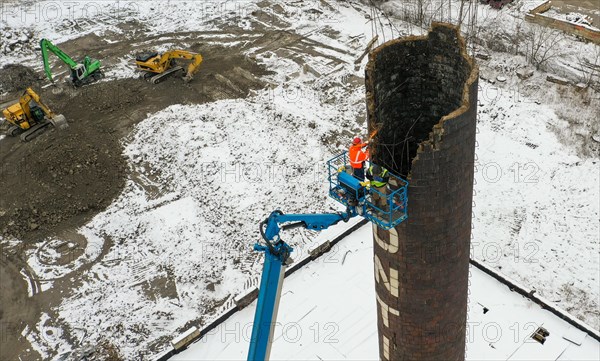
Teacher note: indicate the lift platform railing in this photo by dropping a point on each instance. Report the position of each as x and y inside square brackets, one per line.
[385, 206]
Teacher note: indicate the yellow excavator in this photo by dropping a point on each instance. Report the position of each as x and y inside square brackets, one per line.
[30, 117]
[157, 67]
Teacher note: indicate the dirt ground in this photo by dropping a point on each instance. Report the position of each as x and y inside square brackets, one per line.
[586, 7]
[60, 180]
[13, 76]
[17, 310]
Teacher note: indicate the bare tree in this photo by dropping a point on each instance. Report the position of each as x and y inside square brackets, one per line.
[590, 68]
[416, 12]
[460, 13]
[518, 36]
[543, 45]
[421, 13]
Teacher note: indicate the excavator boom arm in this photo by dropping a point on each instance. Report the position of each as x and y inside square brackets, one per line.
[182, 54]
[39, 102]
[194, 65]
[46, 46]
[24, 102]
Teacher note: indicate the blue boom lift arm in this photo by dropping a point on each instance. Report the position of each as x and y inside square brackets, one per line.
[277, 256]
[387, 212]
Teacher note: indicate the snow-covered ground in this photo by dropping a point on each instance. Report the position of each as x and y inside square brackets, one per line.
[178, 239]
[536, 204]
[327, 312]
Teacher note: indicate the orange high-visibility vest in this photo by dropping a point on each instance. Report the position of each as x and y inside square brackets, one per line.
[357, 155]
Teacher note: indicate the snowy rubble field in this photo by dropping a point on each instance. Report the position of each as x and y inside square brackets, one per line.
[204, 176]
[536, 204]
[220, 168]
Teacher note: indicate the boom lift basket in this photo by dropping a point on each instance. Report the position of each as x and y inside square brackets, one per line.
[386, 207]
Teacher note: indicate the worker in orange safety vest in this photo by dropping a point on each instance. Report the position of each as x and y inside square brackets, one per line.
[358, 156]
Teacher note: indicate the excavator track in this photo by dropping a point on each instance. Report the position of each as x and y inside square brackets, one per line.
[93, 77]
[13, 131]
[59, 122]
[160, 77]
[34, 131]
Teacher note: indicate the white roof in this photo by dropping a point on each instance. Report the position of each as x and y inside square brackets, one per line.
[328, 312]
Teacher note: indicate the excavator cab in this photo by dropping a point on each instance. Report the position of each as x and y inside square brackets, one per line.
[37, 113]
[78, 72]
[149, 63]
[145, 57]
[386, 207]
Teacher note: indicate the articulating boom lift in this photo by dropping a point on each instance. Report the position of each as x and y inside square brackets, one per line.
[81, 73]
[387, 209]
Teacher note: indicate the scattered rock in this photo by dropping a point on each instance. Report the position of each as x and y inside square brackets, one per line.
[12, 40]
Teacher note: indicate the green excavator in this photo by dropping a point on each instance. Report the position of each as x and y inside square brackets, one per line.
[82, 73]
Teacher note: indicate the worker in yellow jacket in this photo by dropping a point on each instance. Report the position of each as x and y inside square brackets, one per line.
[378, 178]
